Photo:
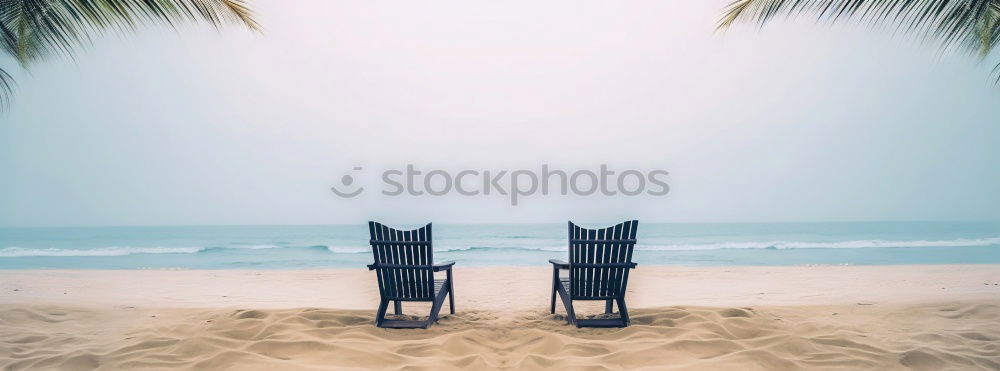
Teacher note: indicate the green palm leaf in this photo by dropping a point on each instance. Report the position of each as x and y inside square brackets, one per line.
[6, 88]
[34, 29]
[967, 25]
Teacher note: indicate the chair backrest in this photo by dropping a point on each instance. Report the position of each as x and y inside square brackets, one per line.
[599, 260]
[403, 262]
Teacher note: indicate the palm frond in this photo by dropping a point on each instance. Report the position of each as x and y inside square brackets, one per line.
[6, 88]
[970, 25]
[34, 29]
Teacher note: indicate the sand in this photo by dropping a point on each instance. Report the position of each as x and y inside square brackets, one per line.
[824, 317]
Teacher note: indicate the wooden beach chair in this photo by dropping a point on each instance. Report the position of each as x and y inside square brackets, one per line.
[404, 264]
[599, 263]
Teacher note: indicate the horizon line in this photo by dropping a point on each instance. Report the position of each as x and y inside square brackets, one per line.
[496, 223]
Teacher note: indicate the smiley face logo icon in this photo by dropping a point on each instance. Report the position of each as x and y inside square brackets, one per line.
[347, 180]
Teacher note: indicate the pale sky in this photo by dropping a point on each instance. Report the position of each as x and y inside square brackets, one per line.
[798, 122]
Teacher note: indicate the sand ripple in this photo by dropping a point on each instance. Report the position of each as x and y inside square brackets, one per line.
[960, 335]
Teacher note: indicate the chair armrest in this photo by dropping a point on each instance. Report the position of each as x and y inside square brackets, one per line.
[443, 266]
[559, 264]
[632, 265]
[371, 267]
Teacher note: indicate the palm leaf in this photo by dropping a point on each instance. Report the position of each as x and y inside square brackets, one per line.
[6, 88]
[34, 29]
[971, 26]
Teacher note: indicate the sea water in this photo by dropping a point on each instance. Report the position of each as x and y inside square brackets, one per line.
[341, 246]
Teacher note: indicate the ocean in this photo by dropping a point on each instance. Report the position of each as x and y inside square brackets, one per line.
[342, 246]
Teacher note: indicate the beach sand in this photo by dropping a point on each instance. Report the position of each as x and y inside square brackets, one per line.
[816, 317]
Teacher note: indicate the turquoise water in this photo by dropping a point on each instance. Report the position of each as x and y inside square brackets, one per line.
[322, 246]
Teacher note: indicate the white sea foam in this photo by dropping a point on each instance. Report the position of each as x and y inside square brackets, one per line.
[253, 247]
[348, 249]
[487, 248]
[855, 244]
[14, 252]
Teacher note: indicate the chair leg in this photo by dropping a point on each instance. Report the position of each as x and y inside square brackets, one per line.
[451, 302]
[380, 314]
[451, 293]
[436, 307]
[568, 303]
[609, 306]
[433, 316]
[555, 286]
[398, 307]
[570, 313]
[623, 309]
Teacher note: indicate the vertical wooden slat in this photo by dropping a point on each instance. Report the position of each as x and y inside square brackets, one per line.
[403, 272]
[580, 258]
[602, 282]
[390, 258]
[408, 260]
[574, 257]
[591, 235]
[581, 277]
[418, 277]
[598, 256]
[399, 254]
[397, 258]
[633, 225]
[381, 259]
[603, 272]
[375, 256]
[598, 259]
[426, 283]
[598, 235]
[425, 261]
[384, 258]
[608, 255]
[623, 233]
[619, 257]
[418, 260]
[421, 235]
[416, 251]
[390, 282]
[429, 252]
[615, 257]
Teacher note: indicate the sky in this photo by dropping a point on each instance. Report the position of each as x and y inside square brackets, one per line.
[793, 123]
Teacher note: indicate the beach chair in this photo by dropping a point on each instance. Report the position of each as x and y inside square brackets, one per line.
[599, 263]
[404, 264]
